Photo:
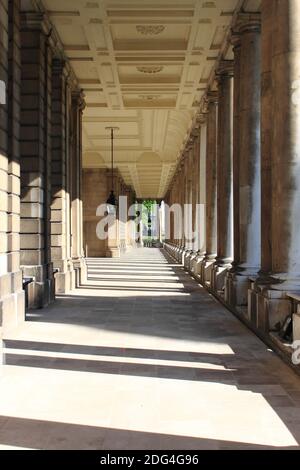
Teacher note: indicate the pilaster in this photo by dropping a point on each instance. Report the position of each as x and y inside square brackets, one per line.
[36, 60]
[61, 179]
[77, 252]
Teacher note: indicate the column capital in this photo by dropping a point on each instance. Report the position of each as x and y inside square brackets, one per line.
[200, 119]
[248, 22]
[78, 99]
[35, 20]
[195, 133]
[225, 69]
[59, 66]
[39, 21]
[211, 97]
[235, 40]
[190, 141]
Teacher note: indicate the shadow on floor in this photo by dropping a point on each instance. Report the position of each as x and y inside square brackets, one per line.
[188, 313]
[38, 434]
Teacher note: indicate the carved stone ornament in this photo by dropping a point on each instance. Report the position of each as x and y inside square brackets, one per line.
[150, 30]
[150, 69]
[149, 97]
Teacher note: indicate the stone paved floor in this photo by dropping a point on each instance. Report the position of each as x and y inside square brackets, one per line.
[141, 357]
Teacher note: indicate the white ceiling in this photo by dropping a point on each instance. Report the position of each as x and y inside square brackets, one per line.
[144, 66]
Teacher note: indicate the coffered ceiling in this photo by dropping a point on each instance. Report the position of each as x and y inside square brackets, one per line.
[144, 66]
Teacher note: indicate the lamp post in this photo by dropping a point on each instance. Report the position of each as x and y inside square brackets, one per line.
[112, 201]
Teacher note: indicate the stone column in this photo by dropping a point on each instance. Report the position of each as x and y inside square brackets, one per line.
[196, 194]
[175, 200]
[188, 203]
[12, 305]
[286, 143]
[184, 200]
[248, 264]
[224, 176]
[211, 188]
[196, 184]
[170, 200]
[36, 60]
[255, 299]
[78, 105]
[268, 19]
[181, 190]
[273, 306]
[202, 197]
[60, 206]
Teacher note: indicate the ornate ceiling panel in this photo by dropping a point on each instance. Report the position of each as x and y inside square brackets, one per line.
[144, 66]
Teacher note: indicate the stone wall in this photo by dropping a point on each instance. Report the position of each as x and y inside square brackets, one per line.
[11, 293]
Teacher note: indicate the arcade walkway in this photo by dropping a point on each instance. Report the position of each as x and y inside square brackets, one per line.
[142, 357]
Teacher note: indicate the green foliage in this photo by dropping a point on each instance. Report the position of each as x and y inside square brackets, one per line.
[149, 203]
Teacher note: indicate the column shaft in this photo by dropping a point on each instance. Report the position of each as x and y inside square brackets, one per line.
[202, 194]
[286, 141]
[266, 134]
[247, 161]
[225, 167]
[224, 175]
[211, 187]
[281, 143]
[236, 146]
[249, 166]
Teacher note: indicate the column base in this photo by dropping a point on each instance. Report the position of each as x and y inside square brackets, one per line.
[272, 309]
[219, 273]
[65, 278]
[207, 270]
[12, 301]
[80, 269]
[186, 258]
[193, 259]
[236, 288]
[64, 282]
[113, 252]
[123, 247]
[41, 291]
[197, 265]
[177, 253]
[269, 302]
[296, 327]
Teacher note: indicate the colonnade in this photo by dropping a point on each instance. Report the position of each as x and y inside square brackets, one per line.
[248, 174]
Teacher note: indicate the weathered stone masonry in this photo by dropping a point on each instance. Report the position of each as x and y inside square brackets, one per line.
[11, 293]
